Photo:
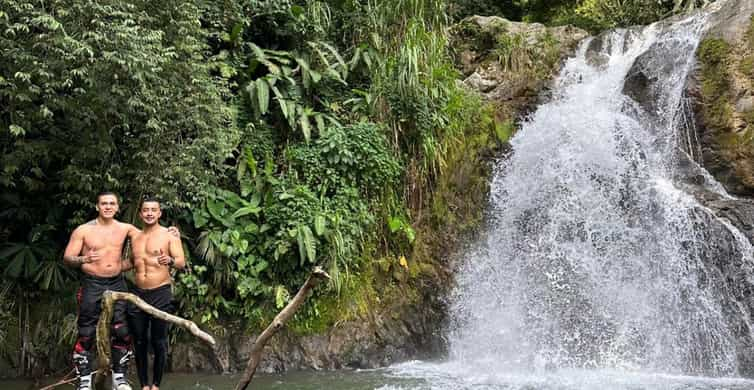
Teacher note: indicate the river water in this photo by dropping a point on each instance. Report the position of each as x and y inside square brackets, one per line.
[443, 376]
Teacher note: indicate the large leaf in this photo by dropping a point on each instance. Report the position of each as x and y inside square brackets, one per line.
[251, 89]
[50, 276]
[310, 243]
[243, 211]
[24, 265]
[263, 95]
[307, 245]
[319, 225]
[235, 33]
[305, 125]
[216, 208]
[11, 249]
[305, 72]
[281, 296]
[200, 218]
[395, 224]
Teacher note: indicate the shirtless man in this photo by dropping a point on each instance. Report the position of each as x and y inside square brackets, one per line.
[155, 252]
[96, 248]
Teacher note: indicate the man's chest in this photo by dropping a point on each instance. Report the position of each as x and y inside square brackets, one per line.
[150, 245]
[111, 238]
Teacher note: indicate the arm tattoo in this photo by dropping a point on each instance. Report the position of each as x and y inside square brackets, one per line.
[75, 260]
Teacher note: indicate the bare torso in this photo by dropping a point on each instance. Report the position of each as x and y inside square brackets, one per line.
[107, 241]
[147, 247]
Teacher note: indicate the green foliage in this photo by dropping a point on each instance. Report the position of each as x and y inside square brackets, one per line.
[601, 14]
[98, 95]
[355, 156]
[519, 56]
[290, 79]
[262, 242]
[510, 9]
[591, 15]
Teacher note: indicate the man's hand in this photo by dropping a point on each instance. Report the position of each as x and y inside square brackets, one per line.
[164, 259]
[174, 231]
[91, 256]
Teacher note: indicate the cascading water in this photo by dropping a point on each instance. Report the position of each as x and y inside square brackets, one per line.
[592, 261]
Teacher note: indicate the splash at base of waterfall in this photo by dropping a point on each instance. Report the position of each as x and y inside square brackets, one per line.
[456, 376]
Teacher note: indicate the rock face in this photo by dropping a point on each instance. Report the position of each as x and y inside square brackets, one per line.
[729, 271]
[510, 62]
[722, 97]
[383, 339]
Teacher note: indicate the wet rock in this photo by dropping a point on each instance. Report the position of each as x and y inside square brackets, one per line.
[729, 269]
[598, 48]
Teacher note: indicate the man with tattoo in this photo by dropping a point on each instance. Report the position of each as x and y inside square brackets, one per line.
[96, 247]
[155, 253]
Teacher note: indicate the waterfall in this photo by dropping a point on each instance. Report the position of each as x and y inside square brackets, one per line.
[593, 257]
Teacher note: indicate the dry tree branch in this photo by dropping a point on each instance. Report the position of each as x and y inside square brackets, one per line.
[277, 323]
[103, 326]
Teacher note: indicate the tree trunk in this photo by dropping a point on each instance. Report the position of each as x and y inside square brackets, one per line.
[22, 352]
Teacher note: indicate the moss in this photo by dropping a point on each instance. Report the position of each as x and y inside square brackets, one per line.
[713, 57]
[472, 35]
[382, 283]
[747, 66]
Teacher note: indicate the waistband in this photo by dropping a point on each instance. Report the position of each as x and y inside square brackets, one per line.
[110, 279]
[152, 290]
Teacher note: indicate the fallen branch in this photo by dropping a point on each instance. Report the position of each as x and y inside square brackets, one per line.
[66, 379]
[277, 323]
[103, 326]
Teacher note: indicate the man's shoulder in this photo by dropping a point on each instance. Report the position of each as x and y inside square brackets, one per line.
[85, 227]
[163, 231]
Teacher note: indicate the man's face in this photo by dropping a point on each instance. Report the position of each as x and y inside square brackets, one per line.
[107, 206]
[150, 213]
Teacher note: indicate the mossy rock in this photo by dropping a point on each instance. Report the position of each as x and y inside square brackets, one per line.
[725, 110]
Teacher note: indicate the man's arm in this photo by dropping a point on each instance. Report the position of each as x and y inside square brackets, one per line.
[176, 252]
[127, 260]
[72, 255]
[132, 231]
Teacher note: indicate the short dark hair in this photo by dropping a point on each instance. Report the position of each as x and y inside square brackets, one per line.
[103, 193]
[149, 198]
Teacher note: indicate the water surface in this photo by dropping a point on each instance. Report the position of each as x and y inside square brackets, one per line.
[445, 376]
